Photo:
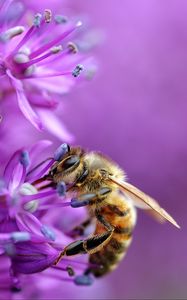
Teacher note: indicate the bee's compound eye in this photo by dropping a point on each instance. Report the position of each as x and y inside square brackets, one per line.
[71, 161]
[61, 151]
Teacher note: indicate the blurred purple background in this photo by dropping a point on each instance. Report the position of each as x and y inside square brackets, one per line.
[135, 110]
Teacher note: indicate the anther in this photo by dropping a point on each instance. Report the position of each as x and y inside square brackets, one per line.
[61, 151]
[70, 271]
[78, 203]
[31, 206]
[47, 15]
[20, 236]
[61, 188]
[48, 232]
[12, 32]
[83, 200]
[21, 57]
[83, 280]
[24, 158]
[78, 69]
[37, 20]
[72, 48]
[56, 49]
[59, 19]
[27, 189]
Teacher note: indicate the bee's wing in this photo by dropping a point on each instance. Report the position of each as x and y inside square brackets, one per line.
[143, 201]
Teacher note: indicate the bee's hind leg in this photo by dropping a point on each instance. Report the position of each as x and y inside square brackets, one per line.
[92, 244]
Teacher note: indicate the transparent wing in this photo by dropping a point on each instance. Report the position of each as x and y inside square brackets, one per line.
[144, 201]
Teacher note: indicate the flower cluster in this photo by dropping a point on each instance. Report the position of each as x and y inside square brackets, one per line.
[37, 66]
[31, 241]
[40, 61]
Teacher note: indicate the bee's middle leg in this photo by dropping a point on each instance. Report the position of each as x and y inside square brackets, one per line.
[80, 229]
[87, 199]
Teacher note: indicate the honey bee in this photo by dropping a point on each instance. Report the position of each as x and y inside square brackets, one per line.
[100, 185]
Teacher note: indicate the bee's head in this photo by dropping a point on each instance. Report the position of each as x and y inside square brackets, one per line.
[69, 164]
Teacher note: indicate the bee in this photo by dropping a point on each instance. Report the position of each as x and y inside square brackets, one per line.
[100, 184]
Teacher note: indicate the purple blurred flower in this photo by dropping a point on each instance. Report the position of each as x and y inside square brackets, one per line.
[31, 242]
[37, 66]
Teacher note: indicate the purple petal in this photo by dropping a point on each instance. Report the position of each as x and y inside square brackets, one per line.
[18, 176]
[38, 148]
[23, 103]
[58, 85]
[54, 126]
[44, 100]
[13, 162]
[15, 172]
[43, 168]
[32, 258]
[29, 223]
[34, 153]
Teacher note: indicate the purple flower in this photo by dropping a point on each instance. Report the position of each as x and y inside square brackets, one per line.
[31, 233]
[37, 66]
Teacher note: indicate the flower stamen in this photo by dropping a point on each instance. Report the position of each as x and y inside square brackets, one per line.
[55, 205]
[55, 41]
[54, 50]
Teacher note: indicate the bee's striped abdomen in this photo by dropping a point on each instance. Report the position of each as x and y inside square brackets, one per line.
[122, 216]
